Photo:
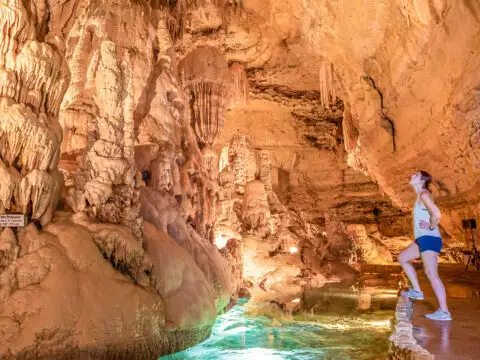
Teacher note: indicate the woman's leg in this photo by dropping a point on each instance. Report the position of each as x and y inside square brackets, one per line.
[407, 255]
[430, 263]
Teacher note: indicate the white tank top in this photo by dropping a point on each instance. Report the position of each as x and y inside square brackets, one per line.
[420, 212]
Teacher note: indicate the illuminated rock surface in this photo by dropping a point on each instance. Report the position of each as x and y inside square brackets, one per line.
[198, 151]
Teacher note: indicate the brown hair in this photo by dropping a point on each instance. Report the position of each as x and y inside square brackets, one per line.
[427, 178]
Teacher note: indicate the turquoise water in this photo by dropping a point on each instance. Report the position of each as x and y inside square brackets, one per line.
[240, 336]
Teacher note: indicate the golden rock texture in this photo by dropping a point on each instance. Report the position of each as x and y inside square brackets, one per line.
[207, 82]
[208, 142]
[34, 77]
[61, 299]
[93, 283]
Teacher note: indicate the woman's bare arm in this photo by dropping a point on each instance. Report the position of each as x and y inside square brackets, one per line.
[433, 210]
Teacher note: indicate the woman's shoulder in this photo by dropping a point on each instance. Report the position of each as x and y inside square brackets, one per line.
[425, 195]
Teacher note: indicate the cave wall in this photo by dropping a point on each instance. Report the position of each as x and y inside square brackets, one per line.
[405, 71]
[331, 107]
[122, 116]
[422, 79]
[309, 171]
[139, 133]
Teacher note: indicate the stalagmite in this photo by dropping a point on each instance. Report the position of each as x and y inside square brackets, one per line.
[243, 162]
[108, 179]
[255, 210]
[265, 171]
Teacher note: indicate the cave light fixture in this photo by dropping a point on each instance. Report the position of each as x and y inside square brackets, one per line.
[220, 241]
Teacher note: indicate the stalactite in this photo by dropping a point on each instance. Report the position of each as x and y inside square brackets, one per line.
[350, 133]
[179, 12]
[164, 29]
[328, 95]
[240, 83]
[208, 109]
[208, 84]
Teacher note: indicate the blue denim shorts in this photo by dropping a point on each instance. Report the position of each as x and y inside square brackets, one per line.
[428, 242]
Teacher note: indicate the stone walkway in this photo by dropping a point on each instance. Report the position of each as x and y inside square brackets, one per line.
[458, 339]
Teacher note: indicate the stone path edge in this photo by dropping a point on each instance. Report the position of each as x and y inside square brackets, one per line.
[403, 345]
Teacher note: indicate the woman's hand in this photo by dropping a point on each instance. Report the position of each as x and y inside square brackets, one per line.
[424, 225]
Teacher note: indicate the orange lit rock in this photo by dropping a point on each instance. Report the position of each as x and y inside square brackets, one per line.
[283, 133]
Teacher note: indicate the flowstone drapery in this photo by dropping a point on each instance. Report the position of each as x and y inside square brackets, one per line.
[33, 78]
[207, 82]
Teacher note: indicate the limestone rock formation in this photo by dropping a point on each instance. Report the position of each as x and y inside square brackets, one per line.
[255, 210]
[41, 319]
[180, 282]
[265, 141]
[313, 180]
[207, 82]
[418, 114]
[389, 117]
[166, 217]
[34, 79]
[8, 247]
[107, 183]
[107, 108]
[370, 249]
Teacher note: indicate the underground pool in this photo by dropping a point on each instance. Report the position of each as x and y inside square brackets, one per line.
[331, 323]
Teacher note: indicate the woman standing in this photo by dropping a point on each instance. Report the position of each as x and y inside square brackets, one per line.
[428, 244]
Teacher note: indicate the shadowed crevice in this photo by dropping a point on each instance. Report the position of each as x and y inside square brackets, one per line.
[385, 117]
[148, 94]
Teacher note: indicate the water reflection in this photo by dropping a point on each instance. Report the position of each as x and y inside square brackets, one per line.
[335, 323]
[444, 327]
[336, 298]
[440, 336]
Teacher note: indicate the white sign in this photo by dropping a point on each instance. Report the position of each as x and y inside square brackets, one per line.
[12, 220]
